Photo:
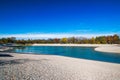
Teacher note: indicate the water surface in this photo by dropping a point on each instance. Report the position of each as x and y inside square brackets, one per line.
[76, 52]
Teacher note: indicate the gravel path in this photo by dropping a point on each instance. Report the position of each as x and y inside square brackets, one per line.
[49, 67]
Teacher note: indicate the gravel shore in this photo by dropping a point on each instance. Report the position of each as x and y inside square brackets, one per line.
[110, 49]
[50, 67]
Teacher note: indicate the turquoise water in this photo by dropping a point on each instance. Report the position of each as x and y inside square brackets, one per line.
[76, 52]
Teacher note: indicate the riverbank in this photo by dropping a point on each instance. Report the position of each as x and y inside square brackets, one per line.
[81, 45]
[111, 48]
[2, 49]
[50, 67]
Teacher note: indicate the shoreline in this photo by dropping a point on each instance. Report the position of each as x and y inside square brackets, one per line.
[109, 48]
[51, 67]
[81, 45]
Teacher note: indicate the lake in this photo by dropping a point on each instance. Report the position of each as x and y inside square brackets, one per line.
[76, 52]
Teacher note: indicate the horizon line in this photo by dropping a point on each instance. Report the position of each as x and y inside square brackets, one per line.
[51, 35]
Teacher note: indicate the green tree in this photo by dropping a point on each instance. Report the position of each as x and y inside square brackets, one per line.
[101, 39]
[92, 40]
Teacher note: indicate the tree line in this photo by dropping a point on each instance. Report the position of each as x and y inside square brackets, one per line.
[112, 39]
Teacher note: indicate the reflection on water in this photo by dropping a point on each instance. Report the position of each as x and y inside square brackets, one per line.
[77, 52]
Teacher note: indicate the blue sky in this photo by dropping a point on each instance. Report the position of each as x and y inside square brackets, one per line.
[59, 17]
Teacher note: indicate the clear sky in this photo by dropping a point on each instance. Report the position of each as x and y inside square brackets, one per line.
[59, 17]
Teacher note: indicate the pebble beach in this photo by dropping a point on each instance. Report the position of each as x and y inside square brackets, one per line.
[50, 67]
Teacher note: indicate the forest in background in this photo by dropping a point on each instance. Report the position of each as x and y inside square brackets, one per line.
[112, 39]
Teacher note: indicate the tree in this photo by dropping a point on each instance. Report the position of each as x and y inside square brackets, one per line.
[109, 39]
[101, 39]
[72, 40]
[115, 38]
[56, 40]
[64, 40]
[92, 40]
